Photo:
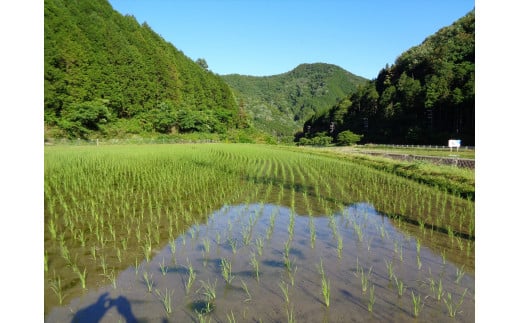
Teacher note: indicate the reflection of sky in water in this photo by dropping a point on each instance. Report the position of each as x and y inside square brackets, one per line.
[381, 244]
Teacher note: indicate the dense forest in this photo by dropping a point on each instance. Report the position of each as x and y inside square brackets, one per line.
[426, 97]
[279, 104]
[108, 75]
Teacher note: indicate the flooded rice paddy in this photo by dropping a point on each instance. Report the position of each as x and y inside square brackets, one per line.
[261, 262]
[241, 233]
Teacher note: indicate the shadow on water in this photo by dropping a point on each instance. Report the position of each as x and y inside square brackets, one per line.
[95, 312]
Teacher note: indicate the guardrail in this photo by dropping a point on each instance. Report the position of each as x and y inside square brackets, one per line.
[421, 146]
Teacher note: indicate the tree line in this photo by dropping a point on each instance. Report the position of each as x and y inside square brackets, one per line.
[426, 97]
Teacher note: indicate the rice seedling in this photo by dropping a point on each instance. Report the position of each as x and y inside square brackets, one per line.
[290, 227]
[45, 261]
[231, 317]
[233, 244]
[371, 299]
[421, 225]
[225, 266]
[206, 244]
[325, 285]
[312, 228]
[147, 250]
[104, 265]
[119, 256]
[291, 273]
[254, 263]
[285, 290]
[469, 247]
[246, 289]
[459, 273]
[65, 254]
[52, 228]
[438, 292]
[288, 263]
[359, 231]
[390, 269]
[148, 280]
[82, 238]
[93, 252]
[333, 225]
[451, 234]
[453, 308]
[136, 266]
[365, 278]
[246, 235]
[166, 299]
[286, 249]
[259, 246]
[339, 248]
[460, 243]
[419, 262]
[124, 243]
[209, 291]
[417, 304]
[325, 291]
[201, 316]
[57, 289]
[82, 275]
[112, 277]
[290, 314]
[418, 247]
[163, 267]
[400, 286]
[173, 247]
[192, 275]
[443, 255]
[382, 231]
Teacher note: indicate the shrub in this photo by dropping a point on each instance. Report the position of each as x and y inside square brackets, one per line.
[348, 138]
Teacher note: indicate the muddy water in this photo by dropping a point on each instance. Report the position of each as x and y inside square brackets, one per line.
[371, 242]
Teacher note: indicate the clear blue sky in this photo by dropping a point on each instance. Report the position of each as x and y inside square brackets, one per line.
[266, 37]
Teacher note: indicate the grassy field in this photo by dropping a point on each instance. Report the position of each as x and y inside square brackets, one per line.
[109, 208]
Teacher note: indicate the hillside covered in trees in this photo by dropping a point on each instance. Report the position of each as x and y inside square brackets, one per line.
[108, 75]
[426, 97]
[279, 104]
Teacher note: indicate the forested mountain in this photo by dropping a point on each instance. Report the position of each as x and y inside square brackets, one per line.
[427, 96]
[106, 74]
[279, 104]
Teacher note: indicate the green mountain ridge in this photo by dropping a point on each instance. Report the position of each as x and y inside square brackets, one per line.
[426, 97]
[279, 104]
[107, 75]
